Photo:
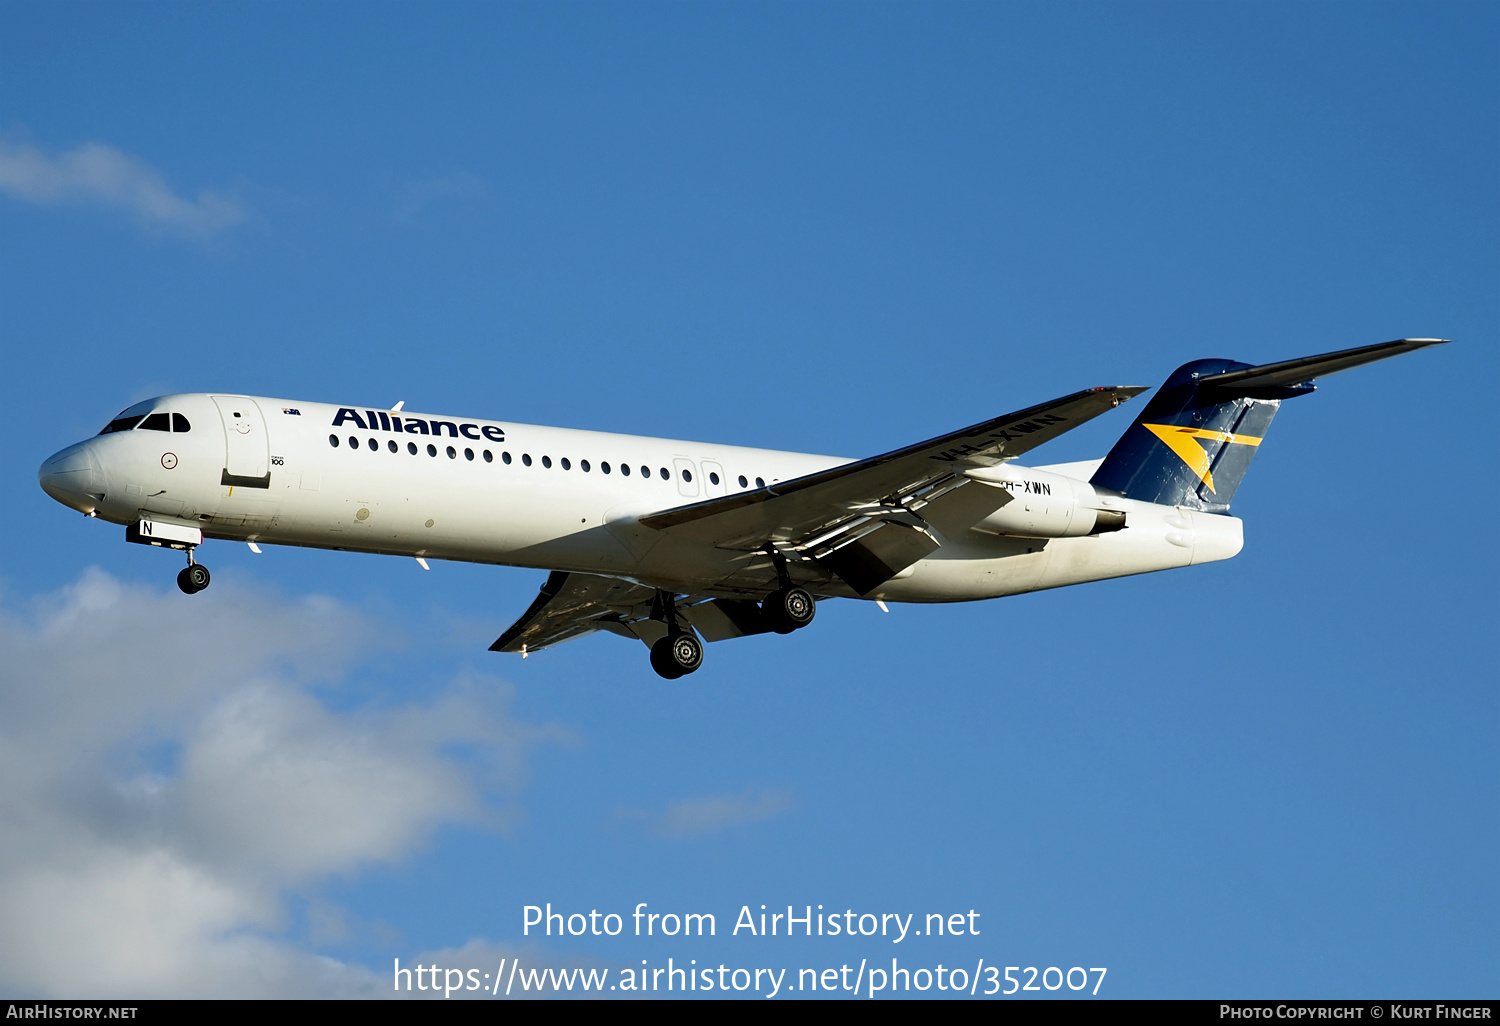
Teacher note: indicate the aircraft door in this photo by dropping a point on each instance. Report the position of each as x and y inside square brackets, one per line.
[687, 476]
[247, 457]
[713, 479]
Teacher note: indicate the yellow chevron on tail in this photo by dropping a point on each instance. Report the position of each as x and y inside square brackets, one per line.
[1183, 441]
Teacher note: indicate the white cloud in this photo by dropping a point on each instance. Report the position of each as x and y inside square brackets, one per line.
[96, 173]
[123, 876]
[691, 817]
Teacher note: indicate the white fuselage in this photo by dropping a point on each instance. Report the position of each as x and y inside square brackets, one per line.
[401, 483]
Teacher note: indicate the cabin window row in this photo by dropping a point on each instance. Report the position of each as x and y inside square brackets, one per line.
[625, 469]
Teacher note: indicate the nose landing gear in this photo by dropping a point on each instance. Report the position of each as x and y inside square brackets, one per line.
[194, 577]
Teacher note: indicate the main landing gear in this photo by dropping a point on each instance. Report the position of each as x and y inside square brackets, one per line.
[680, 652]
[788, 608]
[676, 655]
[194, 577]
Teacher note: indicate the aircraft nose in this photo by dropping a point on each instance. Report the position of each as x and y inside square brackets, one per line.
[73, 477]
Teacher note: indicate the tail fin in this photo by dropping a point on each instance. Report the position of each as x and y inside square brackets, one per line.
[1195, 439]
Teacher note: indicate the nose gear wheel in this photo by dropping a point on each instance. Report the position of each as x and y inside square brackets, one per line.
[193, 578]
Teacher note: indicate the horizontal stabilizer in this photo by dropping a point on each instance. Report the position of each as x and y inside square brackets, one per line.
[1195, 439]
[1301, 371]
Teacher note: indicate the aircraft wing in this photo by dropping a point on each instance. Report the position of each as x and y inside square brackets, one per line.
[859, 521]
[864, 520]
[570, 606]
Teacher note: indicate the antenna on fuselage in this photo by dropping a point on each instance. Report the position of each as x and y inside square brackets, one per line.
[397, 407]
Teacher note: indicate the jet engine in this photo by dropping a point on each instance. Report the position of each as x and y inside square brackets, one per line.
[1043, 504]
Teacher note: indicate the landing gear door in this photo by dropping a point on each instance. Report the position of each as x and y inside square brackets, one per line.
[247, 458]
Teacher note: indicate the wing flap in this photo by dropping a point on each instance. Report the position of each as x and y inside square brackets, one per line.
[962, 508]
[723, 619]
[874, 558]
[570, 606]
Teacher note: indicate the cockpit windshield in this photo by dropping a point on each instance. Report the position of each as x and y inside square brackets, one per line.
[157, 421]
[121, 424]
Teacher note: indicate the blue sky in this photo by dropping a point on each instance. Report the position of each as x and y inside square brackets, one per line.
[830, 228]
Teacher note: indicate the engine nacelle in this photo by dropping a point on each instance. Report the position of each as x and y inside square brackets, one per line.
[1044, 505]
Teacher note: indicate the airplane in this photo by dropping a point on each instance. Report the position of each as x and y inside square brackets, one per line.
[675, 543]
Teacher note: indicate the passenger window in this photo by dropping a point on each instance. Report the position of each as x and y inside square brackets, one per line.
[120, 424]
[760, 482]
[743, 482]
[687, 475]
[157, 422]
[353, 442]
[393, 446]
[547, 462]
[452, 453]
[604, 468]
[625, 469]
[374, 445]
[333, 440]
[664, 475]
[469, 455]
[411, 447]
[585, 465]
[489, 457]
[505, 458]
[431, 449]
[180, 423]
[566, 465]
[526, 458]
[713, 478]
